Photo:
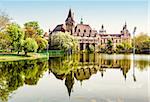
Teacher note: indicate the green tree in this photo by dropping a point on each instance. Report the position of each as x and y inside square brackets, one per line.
[16, 35]
[32, 29]
[42, 43]
[124, 47]
[4, 20]
[63, 41]
[109, 46]
[4, 41]
[30, 45]
[142, 42]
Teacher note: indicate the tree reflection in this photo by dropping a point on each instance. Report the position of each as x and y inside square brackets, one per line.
[15, 74]
[142, 64]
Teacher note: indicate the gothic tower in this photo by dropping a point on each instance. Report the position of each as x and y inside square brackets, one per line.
[70, 22]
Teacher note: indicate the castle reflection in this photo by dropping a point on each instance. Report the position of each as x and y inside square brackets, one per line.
[82, 66]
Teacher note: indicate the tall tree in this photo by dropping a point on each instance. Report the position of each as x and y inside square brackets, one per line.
[16, 35]
[32, 29]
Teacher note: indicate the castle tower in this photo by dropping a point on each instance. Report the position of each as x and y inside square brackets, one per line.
[70, 22]
[102, 30]
[125, 30]
[125, 34]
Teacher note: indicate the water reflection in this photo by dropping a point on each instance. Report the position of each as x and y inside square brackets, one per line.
[82, 66]
[16, 74]
[78, 67]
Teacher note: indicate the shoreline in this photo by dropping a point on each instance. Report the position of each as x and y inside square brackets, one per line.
[4, 57]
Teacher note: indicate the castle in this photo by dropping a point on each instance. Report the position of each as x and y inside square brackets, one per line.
[87, 36]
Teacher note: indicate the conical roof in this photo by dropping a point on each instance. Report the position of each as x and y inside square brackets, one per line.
[70, 15]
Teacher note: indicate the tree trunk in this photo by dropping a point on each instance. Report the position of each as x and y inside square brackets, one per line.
[18, 52]
[25, 53]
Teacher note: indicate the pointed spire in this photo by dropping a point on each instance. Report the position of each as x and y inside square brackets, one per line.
[69, 82]
[70, 15]
[125, 23]
[125, 26]
[102, 26]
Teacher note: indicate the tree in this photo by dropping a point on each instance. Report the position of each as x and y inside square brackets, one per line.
[30, 45]
[63, 41]
[142, 42]
[42, 43]
[16, 35]
[124, 46]
[4, 41]
[4, 20]
[32, 29]
[109, 45]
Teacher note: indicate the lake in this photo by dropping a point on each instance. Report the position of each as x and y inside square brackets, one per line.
[77, 78]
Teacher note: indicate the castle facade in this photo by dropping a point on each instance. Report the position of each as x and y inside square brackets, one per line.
[87, 36]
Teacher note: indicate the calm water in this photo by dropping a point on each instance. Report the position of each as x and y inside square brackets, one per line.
[77, 78]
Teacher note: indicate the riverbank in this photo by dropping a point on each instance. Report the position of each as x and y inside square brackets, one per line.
[16, 57]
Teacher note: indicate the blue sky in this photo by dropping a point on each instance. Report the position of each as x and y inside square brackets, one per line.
[111, 13]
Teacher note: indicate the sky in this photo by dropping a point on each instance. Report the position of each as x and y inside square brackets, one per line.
[111, 13]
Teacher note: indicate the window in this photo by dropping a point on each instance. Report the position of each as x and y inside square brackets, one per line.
[75, 28]
[83, 35]
[78, 30]
[84, 30]
[90, 31]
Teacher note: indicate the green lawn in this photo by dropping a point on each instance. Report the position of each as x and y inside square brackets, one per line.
[5, 56]
[15, 57]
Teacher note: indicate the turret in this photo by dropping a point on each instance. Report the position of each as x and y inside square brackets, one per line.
[70, 22]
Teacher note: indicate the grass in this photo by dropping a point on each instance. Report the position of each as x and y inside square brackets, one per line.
[8, 56]
[16, 57]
